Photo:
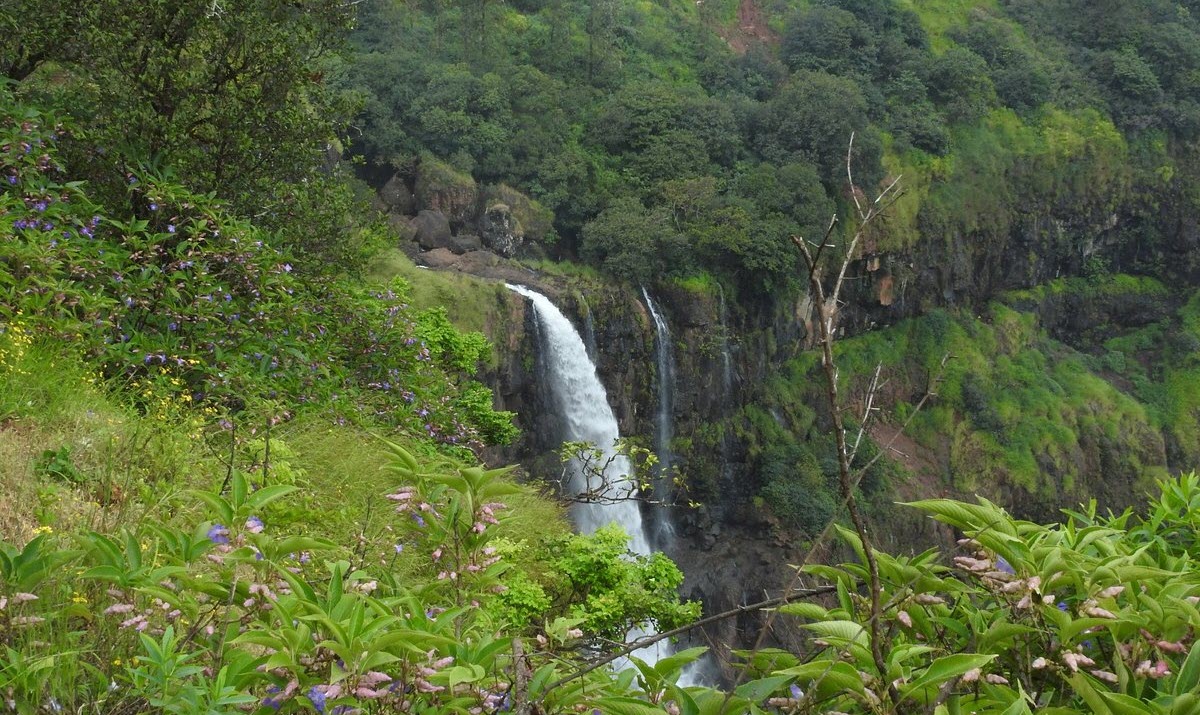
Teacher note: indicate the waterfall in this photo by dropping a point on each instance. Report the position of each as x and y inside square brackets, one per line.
[583, 407]
[583, 404]
[589, 329]
[663, 530]
[726, 359]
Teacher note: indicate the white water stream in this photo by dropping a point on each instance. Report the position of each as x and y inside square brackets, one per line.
[587, 417]
[662, 529]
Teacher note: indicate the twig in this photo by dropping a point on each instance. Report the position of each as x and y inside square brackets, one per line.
[792, 595]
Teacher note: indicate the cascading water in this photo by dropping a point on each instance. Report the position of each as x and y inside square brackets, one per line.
[589, 329]
[727, 476]
[726, 359]
[587, 417]
[663, 530]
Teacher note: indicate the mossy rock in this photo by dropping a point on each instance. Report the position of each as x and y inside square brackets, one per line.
[441, 187]
[536, 221]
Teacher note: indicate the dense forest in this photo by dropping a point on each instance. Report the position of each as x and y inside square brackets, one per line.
[253, 433]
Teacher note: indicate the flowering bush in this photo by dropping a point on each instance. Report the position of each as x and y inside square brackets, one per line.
[229, 615]
[187, 300]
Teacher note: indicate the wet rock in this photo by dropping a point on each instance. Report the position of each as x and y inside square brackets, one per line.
[501, 231]
[465, 243]
[440, 187]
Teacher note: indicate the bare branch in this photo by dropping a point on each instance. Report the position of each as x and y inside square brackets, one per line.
[788, 597]
[850, 178]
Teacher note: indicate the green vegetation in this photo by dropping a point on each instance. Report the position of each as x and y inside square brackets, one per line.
[1018, 415]
[238, 438]
[664, 151]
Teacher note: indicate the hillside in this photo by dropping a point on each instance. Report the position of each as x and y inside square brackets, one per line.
[261, 375]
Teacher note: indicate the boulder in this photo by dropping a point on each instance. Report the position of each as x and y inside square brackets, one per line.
[441, 187]
[432, 230]
[537, 221]
[396, 196]
[465, 243]
[404, 226]
[500, 230]
[439, 258]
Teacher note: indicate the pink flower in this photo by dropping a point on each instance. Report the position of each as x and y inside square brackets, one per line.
[1105, 676]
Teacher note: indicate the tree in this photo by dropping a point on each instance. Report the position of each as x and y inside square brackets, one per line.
[831, 40]
[959, 83]
[229, 93]
[810, 117]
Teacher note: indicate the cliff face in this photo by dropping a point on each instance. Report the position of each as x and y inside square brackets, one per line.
[747, 413]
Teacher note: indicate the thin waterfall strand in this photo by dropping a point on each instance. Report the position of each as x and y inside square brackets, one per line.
[662, 529]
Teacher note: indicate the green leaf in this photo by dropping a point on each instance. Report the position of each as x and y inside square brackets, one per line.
[1189, 672]
[805, 610]
[266, 495]
[626, 706]
[219, 507]
[844, 631]
[758, 690]
[945, 668]
[828, 677]
[1090, 695]
[1122, 704]
[676, 661]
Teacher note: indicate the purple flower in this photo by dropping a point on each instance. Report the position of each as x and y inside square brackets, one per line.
[417, 518]
[318, 698]
[153, 206]
[40, 206]
[218, 534]
[399, 548]
[86, 231]
[170, 228]
[172, 326]
[1003, 565]
[287, 268]
[12, 179]
[254, 525]
[796, 692]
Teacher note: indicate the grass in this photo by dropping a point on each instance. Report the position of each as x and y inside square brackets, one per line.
[1015, 408]
[472, 304]
[939, 16]
[116, 464]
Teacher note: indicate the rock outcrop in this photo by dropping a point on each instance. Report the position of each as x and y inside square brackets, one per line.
[441, 187]
[501, 231]
[431, 230]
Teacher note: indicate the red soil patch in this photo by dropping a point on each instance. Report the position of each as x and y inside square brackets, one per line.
[751, 28]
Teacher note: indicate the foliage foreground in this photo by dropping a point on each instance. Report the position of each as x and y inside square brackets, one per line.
[214, 612]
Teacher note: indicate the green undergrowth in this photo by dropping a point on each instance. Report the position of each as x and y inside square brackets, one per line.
[1017, 413]
[74, 451]
[939, 16]
[472, 304]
